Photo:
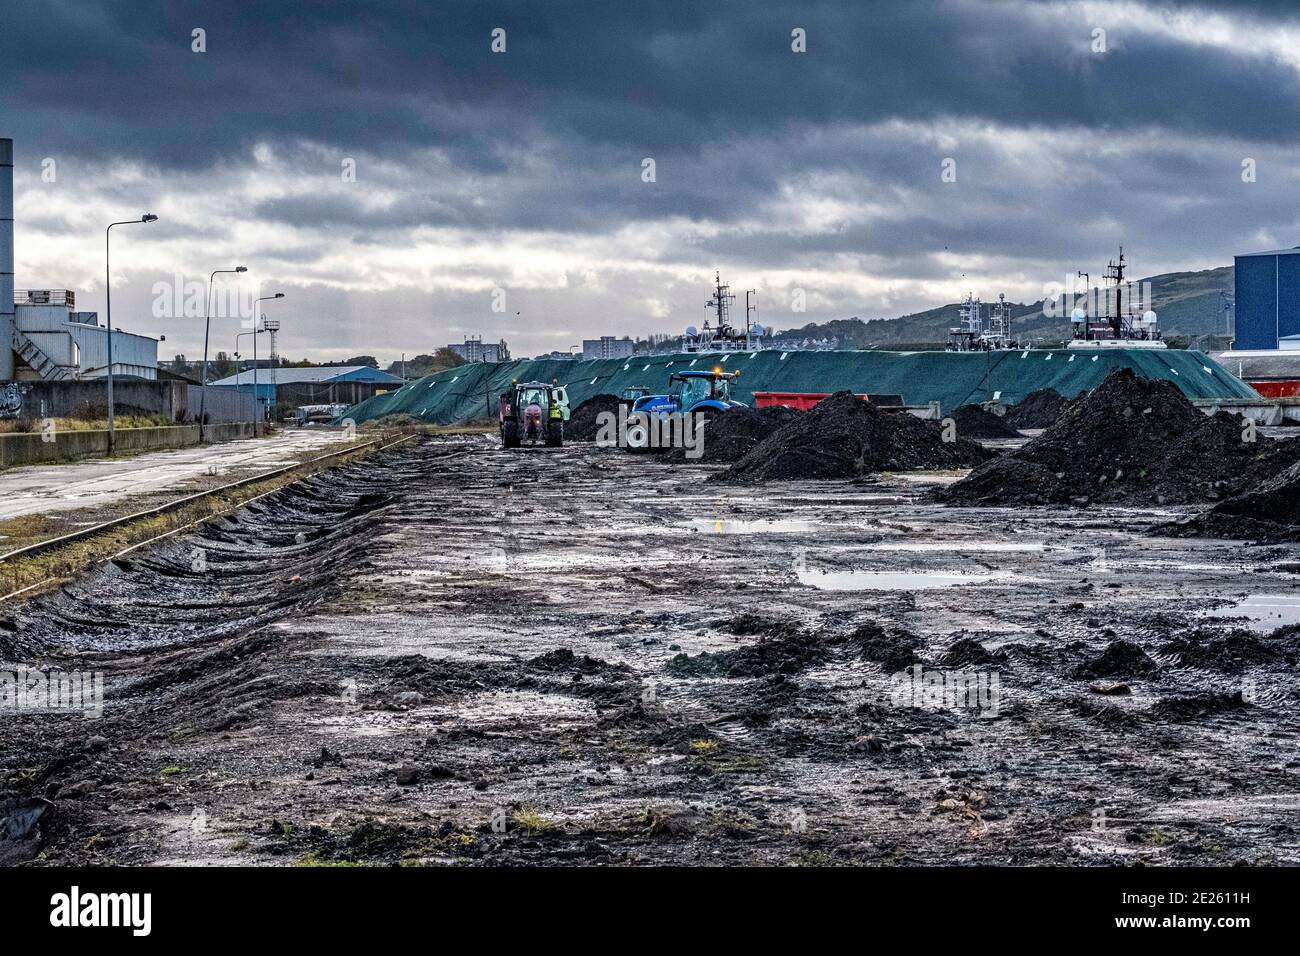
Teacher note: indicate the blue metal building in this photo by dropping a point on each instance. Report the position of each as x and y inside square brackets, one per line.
[327, 384]
[1267, 300]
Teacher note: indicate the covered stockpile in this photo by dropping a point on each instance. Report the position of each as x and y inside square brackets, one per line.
[952, 379]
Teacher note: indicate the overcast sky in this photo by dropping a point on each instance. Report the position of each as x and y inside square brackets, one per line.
[524, 171]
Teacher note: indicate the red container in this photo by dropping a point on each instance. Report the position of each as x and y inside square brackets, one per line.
[800, 400]
[1276, 389]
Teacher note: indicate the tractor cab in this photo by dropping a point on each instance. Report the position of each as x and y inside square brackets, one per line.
[694, 392]
[533, 412]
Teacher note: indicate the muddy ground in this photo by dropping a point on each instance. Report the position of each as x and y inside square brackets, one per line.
[615, 663]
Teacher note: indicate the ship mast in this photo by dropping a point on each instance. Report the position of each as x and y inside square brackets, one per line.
[721, 302]
[1115, 273]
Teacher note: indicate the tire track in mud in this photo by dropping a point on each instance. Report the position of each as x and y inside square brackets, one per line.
[622, 706]
[284, 551]
[177, 629]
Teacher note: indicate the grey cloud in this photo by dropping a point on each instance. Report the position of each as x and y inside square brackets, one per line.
[549, 137]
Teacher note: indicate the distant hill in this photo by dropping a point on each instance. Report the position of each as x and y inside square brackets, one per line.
[1188, 304]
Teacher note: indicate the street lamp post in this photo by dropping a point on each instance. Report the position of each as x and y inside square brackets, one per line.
[239, 392]
[207, 325]
[108, 309]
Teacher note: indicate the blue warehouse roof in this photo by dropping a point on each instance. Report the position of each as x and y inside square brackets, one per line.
[322, 375]
[1273, 252]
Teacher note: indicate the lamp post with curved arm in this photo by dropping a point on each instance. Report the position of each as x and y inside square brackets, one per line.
[108, 309]
[207, 325]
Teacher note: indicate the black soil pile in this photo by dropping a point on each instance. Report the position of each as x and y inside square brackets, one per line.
[784, 648]
[1039, 409]
[1178, 710]
[967, 652]
[892, 648]
[785, 655]
[1132, 441]
[844, 437]
[1120, 659]
[1230, 652]
[732, 435]
[975, 421]
[1267, 513]
[583, 421]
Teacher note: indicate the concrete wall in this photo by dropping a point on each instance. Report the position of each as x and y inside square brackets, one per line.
[177, 401]
[219, 406]
[29, 448]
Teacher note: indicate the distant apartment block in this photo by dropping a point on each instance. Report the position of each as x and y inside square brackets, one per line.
[474, 349]
[607, 347]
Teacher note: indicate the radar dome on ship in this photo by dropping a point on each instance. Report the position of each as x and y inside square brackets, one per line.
[757, 330]
[1078, 317]
[692, 330]
[1149, 317]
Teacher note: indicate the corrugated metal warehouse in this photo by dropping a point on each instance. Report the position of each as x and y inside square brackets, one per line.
[331, 384]
[1268, 300]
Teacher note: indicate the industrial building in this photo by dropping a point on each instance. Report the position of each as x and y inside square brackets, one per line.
[52, 341]
[1266, 342]
[474, 349]
[1267, 298]
[607, 347]
[322, 385]
[42, 335]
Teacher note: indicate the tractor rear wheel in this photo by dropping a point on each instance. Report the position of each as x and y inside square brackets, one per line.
[509, 435]
[555, 434]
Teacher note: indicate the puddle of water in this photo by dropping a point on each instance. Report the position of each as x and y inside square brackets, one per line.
[496, 707]
[1264, 611]
[826, 501]
[928, 477]
[976, 546]
[757, 526]
[898, 580]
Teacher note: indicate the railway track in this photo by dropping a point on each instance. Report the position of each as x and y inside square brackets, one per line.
[55, 543]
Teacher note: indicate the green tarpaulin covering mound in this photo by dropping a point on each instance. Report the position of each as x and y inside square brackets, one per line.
[951, 378]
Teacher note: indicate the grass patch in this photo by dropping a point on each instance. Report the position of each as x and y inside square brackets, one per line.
[28, 425]
[1157, 838]
[704, 747]
[532, 821]
[26, 528]
[313, 858]
[173, 771]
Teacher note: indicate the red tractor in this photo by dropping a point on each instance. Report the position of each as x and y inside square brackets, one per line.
[533, 412]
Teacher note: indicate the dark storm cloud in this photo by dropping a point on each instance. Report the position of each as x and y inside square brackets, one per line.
[657, 78]
[825, 162]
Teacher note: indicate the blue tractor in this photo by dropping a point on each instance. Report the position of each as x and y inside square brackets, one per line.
[699, 395]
